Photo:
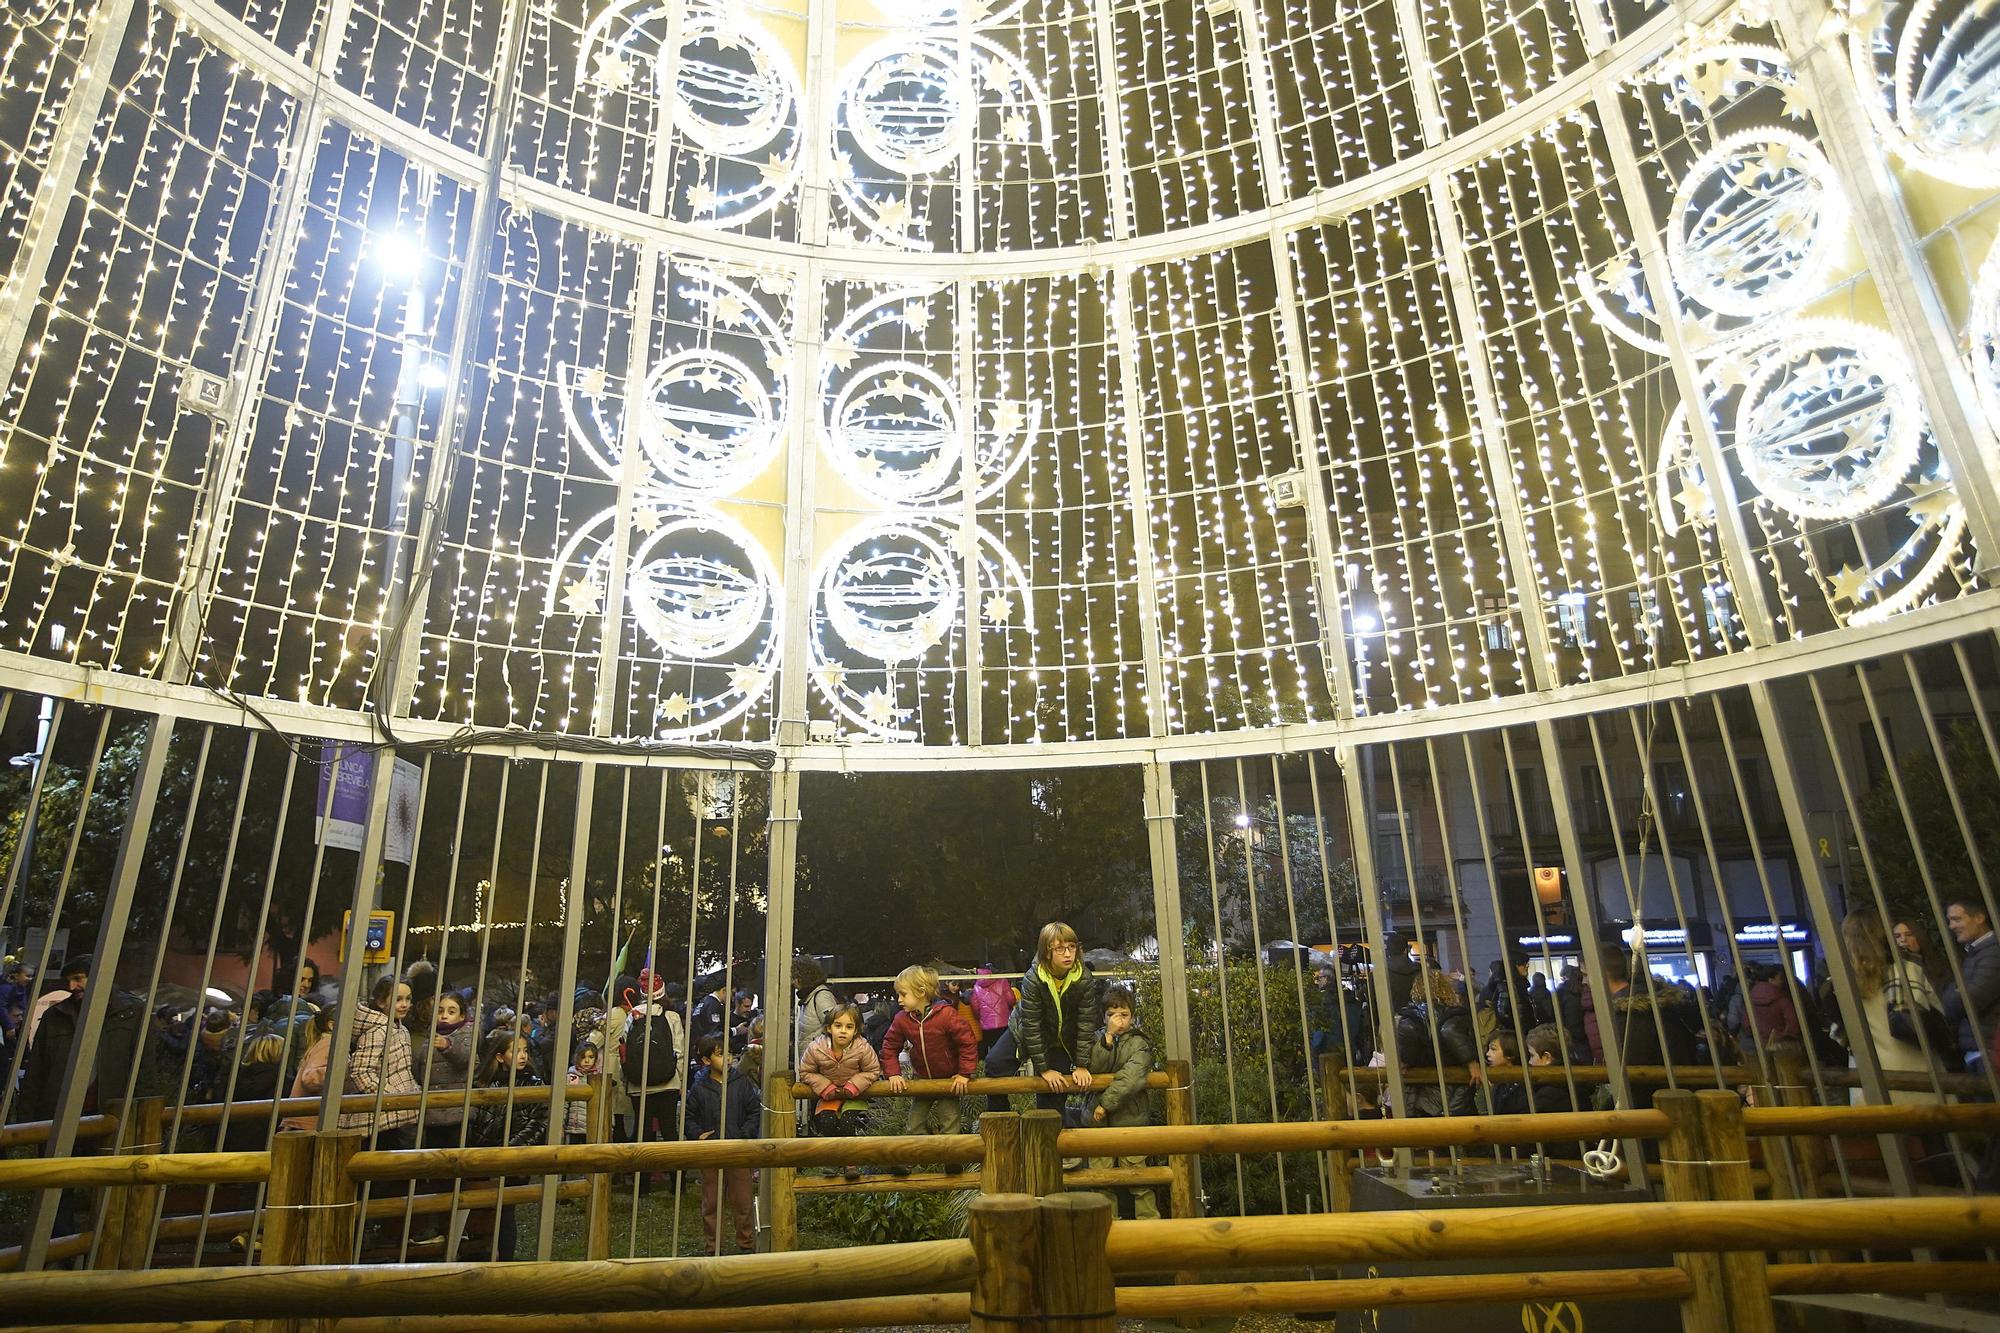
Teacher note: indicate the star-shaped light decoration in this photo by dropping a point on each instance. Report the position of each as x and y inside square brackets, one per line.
[831, 678]
[897, 385]
[700, 197]
[839, 353]
[1796, 105]
[749, 680]
[1015, 128]
[583, 597]
[1696, 506]
[917, 316]
[894, 214]
[674, 708]
[645, 519]
[612, 70]
[1007, 418]
[879, 708]
[708, 379]
[730, 309]
[771, 171]
[1849, 582]
[594, 381]
[999, 608]
[1932, 501]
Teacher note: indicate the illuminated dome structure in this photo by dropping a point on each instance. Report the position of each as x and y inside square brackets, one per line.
[1516, 473]
[1056, 371]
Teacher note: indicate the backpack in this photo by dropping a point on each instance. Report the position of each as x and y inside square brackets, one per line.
[647, 1049]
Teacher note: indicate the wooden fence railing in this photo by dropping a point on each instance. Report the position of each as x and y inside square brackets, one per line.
[1052, 1260]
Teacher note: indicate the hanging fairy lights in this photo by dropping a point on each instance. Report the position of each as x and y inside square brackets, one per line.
[1492, 431]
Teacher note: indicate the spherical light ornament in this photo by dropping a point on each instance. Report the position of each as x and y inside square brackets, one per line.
[707, 423]
[1934, 68]
[733, 91]
[891, 591]
[1758, 220]
[906, 103]
[700, 586]
[1830, 421]
[894, 432]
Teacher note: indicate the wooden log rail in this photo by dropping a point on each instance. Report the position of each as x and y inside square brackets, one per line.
[1178, 1176]
[1158, 1080]
[1040, 1267]
[1660, 1076]
[104, 1125]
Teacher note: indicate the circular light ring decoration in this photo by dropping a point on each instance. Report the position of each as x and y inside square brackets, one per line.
[907, 101]
[1680, 488]
[1757, 223]
[706, 421]
[729, 89]
[700, 585]
[1934, 68]
[893, 432]
[892, 590]
[592, 429]
[1830, 421]
[1933, 542]
[733, 90]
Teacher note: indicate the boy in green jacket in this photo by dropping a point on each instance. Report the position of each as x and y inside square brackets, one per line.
[1123, 1052]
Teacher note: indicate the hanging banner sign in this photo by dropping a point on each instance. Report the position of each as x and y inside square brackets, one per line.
[346, 780]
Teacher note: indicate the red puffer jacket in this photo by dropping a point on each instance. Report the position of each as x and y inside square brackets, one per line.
[942, 1044]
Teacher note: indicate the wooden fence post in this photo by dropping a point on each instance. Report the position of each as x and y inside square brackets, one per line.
[1075, 1275]
[597, 1207]
[1000, 1167]
[1728, 1153]
[1795, 1089]
[1339, 1161]
[330, 1198]
[782, 1111]
[1684, 1158]
[1041, 1160]
[1006, 1251]
[125, 1231]
[285, 1212]
[1183, 1195]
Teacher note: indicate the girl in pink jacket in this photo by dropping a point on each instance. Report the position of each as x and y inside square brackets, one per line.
[839, 1066]
[992, 1002]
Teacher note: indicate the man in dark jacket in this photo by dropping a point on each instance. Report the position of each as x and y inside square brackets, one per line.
[1973, 1011]
[723, 1104]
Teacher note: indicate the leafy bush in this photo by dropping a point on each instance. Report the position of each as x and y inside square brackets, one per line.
[882, 1219]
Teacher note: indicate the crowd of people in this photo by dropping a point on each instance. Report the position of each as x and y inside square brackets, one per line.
[1920, 1015]
[677, 1069]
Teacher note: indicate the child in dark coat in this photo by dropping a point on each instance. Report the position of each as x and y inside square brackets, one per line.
[723, 1104]
[1121, 1054]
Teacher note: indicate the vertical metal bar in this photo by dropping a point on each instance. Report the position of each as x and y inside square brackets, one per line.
[781, 849]
[1903, 282]
[400, 667]
[1358, 786]
[1221, 969]
[1430, 962]
[1476, 784]
[1333, 923]
[1314, 461]
[24, 853]
[1131, 412]
[965, 352]
[572, 945]
[111, 931]
[1754, 612]
[69, 151]
[1584, 906]
[1250, 833]
[1819, 902]
[1157, 777]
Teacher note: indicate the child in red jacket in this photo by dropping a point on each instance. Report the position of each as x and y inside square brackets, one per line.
[941, 1045]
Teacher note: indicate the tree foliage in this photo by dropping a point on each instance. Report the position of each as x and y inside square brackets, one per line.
[1945, 853]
